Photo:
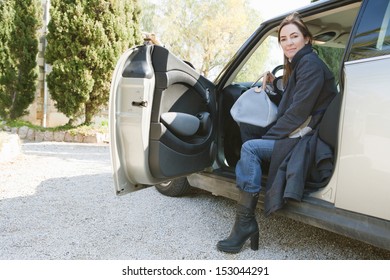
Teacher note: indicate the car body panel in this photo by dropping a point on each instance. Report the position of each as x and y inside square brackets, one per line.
[364, 154]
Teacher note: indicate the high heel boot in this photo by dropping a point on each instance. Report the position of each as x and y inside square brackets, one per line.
[245, 226]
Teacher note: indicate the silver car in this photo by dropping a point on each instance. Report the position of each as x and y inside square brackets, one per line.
[171, 127]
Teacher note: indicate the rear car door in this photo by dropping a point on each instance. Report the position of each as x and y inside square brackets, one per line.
[162, 119]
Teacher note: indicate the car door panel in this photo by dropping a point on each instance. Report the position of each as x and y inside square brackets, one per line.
[150, 85]
[179, 89]
[131, 85]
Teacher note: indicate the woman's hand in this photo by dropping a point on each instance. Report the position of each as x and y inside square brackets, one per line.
[270, 78]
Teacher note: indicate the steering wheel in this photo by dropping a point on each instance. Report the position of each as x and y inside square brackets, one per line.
[277, 69]
[278, 82]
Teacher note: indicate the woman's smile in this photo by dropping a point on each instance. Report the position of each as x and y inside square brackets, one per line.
[291, 40]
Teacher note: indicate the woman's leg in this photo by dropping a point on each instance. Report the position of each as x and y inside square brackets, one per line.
[248, 178]
[248, 168]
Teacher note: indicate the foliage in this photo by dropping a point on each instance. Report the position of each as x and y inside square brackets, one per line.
[259, 62]
[86, 37]
[205, 32]
[149, 20]
[87, 130]
[19, 24]
[332, 57]
[19, 123]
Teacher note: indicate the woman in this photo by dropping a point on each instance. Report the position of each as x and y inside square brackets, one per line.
[309, 88]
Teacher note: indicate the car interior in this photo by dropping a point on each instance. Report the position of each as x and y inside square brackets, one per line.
[330, 29]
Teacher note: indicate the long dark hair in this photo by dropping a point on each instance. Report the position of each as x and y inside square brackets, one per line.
[295, 19]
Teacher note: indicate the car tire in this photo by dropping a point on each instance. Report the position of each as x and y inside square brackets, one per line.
[174, 188]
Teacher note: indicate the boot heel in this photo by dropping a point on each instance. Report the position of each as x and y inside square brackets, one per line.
[245, 226]
[255, 241]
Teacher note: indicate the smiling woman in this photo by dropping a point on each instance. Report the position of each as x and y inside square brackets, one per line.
[309, 89]
[292, 40]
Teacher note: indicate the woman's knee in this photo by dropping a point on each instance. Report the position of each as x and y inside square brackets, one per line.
[248, 146]
[259, 148]
[251, 144]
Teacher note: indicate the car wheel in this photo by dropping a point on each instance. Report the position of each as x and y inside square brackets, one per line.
[174, 188]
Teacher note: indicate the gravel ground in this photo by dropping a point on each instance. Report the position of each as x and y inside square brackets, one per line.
[57, 202]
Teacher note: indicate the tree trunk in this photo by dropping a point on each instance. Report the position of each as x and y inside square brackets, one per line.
[88, 114]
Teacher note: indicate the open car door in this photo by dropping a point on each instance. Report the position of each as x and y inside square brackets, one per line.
[162, 119]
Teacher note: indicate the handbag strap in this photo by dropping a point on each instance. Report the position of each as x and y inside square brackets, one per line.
[265, 74]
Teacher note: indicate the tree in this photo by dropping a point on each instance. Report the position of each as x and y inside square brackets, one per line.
[331, 56]
[86, 37]
[148, 15]
[204, 32]
[19, 24]
[6, 19]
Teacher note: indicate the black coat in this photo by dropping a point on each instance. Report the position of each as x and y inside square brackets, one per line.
[310, 163]
[309, 90]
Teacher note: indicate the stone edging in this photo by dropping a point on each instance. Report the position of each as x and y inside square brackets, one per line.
[29, 134]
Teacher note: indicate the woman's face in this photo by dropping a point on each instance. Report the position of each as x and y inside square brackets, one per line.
[291, 40]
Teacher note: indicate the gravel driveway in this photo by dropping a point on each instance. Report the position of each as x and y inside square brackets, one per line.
[57, 201]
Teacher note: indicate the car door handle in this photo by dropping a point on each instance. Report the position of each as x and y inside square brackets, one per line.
[140, 103]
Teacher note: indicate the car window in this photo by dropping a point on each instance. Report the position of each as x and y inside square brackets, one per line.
[270, 55]
[332, 57]
[266, 57]
[372, 37]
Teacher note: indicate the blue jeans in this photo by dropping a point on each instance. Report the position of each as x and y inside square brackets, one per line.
[248, 168]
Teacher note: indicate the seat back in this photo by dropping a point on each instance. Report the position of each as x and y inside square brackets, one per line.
[329, 126]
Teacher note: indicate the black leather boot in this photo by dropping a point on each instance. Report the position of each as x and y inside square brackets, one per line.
[245, 225]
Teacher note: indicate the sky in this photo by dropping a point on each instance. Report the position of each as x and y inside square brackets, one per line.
[271, 8]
